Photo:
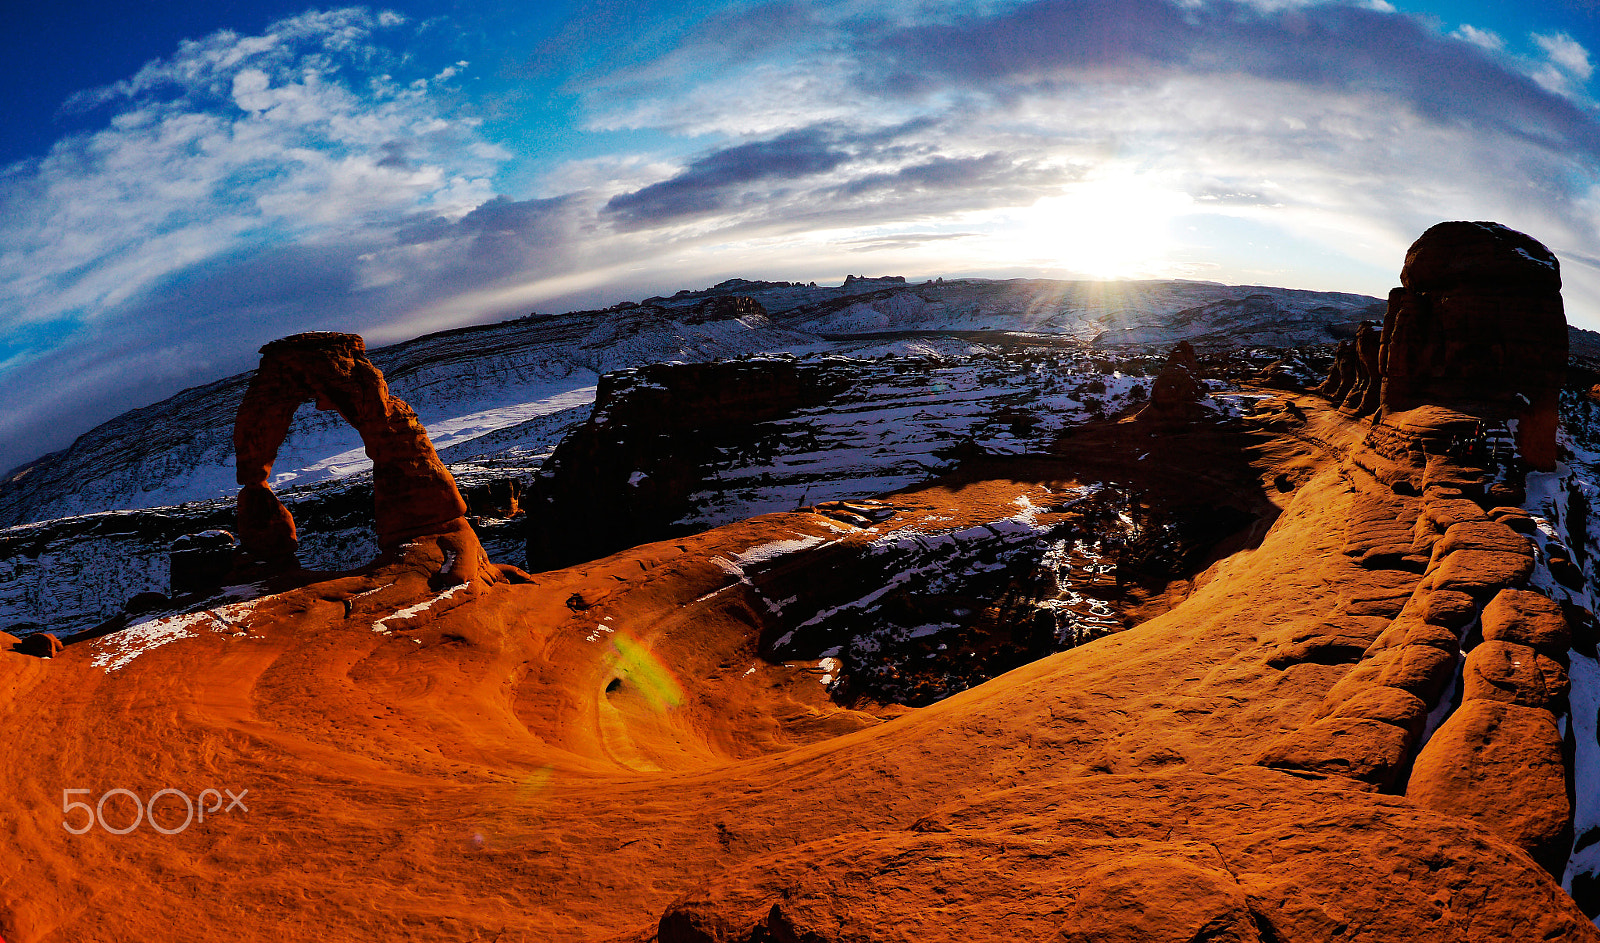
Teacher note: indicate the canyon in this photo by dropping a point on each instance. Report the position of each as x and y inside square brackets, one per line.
[1247, 618]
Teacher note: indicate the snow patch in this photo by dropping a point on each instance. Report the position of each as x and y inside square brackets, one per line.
[382, 626]
[777, 548]
[121, 648]
[1547, 263]
[831, 668]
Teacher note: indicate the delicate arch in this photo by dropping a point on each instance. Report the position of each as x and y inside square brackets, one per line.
[412, 492]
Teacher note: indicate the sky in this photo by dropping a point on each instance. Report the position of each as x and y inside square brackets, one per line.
[179, 188]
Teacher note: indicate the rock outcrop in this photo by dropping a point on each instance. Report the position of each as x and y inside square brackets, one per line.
[1498, 758]
[1177, 393]
[40, 645]
[413, 493]
[201, 562]
[1478, 326]
[625, 476]
[1362, 397]
[1475, 338]
[1243, 857]
[1342, 374]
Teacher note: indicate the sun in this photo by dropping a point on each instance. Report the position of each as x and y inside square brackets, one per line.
[1113, 226]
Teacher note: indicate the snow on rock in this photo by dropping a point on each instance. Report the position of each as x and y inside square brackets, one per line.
[119, 649]
[1560, 503]
[395, 622]
[830, 668]
[771, 551]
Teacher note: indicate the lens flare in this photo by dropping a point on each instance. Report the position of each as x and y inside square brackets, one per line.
[635, 662]
[535, 783]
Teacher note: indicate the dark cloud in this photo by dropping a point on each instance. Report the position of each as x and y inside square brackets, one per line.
[498, 217]
[711, 183]
[523, 217]
[1049, 45]
[1023, 43]
[954, 173]
[765, 182]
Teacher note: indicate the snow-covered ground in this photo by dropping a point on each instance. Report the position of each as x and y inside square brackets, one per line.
[454, 430]
[910, 410]
[1562, 503]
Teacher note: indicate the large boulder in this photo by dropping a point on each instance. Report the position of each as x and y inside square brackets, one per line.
[626, 476]
[1500, 764]
[1478, 326]
[199, 563]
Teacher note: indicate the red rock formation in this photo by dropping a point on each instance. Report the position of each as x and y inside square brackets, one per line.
[604, 747]
[1478, 326]
[1243, 857]
[1498, 758]
[413, 493]
[1342, 375]
[1362, 397]
[1177, 391]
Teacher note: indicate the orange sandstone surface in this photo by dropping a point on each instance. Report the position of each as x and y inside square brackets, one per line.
[489, 759]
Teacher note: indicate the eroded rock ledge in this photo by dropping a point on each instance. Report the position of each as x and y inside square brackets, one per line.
[1457, 701]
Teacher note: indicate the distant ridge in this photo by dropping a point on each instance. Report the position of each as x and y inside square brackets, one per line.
[180, 449]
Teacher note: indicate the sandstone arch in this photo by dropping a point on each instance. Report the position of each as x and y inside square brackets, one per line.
[413, 493]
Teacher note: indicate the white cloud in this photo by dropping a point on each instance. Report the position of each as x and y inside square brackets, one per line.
[1482, 38]
[1318, 130]
[1566, 53]
[296, 133]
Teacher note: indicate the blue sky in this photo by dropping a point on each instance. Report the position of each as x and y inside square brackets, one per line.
[179, 189]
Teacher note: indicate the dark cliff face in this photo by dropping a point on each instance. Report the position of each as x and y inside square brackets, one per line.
[625, 476]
